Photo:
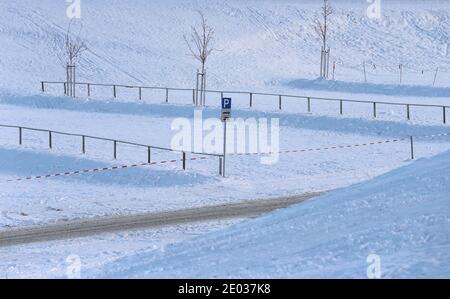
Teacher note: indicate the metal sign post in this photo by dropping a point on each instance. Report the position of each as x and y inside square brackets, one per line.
[224, 146]
[226, 115]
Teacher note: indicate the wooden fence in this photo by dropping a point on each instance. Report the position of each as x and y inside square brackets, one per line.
[115, 143]
[308, 99]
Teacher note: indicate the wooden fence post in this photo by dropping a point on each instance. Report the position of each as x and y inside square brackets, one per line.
[140, 93]
[167, 95]
[114, 91]
[193, 96]
[408, 115]
[220, 166]
[89, 89]
[279, 102]
[115, 149]
[412, 147]
[444, 116]
[20, 136]
[340, 107]
[251, 100]
[374, 110]
[50, 139]
[334, 68]
[309, 104]
[364, 69]
[83, 144]
[184, 161]
[42, 86]
[435, 76]
[149, 155]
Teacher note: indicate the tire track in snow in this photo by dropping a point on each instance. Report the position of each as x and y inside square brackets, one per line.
[108, 224]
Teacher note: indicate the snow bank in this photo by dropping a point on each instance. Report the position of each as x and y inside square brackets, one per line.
[427, 121]
[370, 88]
[403, 217]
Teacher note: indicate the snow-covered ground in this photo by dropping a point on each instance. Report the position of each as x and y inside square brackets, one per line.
[262, 43]
[167, 187]
[54, 259]
[264, 46]
[402, 217]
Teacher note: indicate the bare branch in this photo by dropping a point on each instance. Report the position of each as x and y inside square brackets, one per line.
[200, 41]
[73, 47]
[321, 26]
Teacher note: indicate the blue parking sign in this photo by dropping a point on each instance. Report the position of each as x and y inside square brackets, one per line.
[226, 103]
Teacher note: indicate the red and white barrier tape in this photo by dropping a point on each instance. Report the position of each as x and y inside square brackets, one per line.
[340, 146]
[84, 171]
[434, 135]
[204, 158]
[328, 148]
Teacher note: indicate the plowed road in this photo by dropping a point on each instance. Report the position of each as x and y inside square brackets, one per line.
[98, 225]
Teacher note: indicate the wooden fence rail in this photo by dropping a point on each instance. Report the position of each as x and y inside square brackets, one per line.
[149, 148]
[252, 94]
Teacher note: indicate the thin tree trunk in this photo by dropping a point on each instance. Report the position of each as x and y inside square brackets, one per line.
[202, 85]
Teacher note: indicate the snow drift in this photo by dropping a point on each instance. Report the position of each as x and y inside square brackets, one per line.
[403, 217]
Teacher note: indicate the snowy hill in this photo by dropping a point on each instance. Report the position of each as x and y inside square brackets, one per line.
[262, 43]
[403, 217]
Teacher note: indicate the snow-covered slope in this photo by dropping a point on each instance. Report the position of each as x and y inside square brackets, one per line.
[403, 217]
[262, 43]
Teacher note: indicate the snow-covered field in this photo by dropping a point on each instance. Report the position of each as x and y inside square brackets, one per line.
[167, 187]
[264, 45]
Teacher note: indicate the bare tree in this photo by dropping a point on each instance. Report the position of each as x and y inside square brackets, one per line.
[321, 26]
[200, 43]
[71, 51]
